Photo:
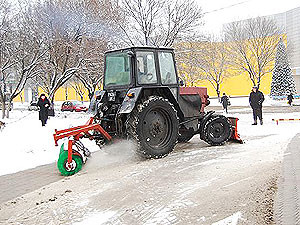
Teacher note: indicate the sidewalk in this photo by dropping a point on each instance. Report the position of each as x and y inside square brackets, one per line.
[287, 202]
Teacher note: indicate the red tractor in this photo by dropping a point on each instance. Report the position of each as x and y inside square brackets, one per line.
[144, 100]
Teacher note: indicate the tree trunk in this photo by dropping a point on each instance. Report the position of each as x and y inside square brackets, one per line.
[258, 82]
[81, 97]
[7, 110]
[3, 109]
[2, 100]
[66, 93]
[91, 94]
[218, 91]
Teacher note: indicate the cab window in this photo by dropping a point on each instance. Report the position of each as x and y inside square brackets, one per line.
[117, 70]
[167, 68]
[146, 72]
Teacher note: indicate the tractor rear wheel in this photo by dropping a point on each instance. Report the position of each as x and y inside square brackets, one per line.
[217, 130]
[154, 126]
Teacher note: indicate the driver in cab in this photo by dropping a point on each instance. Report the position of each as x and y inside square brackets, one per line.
[143, 77]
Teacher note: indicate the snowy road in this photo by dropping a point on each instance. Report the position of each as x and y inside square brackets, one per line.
[196, 184]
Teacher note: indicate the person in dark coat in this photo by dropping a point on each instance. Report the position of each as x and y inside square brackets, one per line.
[44, 105]
[256, 99]
[225, 102]
[290, 99]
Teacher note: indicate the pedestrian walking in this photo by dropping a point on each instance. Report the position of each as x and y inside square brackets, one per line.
[225, 102]
[290, 99]
[43, 104]
[256, 99]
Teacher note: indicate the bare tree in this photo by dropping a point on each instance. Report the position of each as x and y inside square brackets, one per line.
[78, 86]
[187, 61]
[252, 44]
[91, 71]
[28, 54]
[60, 25]
[159, 22]
[214, 62]
[74, 32]
[7, 49]
[203, 58]
[182, 18]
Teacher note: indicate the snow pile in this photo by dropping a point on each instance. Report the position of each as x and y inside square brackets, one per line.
[26, 144]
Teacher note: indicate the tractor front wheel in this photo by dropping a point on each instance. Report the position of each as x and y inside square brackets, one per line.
[216, 130]
[154, 126]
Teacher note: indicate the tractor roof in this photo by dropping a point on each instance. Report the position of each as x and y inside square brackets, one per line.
[140, 48]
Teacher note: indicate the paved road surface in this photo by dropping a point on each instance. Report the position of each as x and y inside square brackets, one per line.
[17, 184]
[196, 184]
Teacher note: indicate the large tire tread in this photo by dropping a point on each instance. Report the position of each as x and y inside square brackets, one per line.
[132, 127]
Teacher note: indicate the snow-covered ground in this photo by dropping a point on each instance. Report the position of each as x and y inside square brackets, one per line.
[26, 144]
[195, 184]
[244, 101]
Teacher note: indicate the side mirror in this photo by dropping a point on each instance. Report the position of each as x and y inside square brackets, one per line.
[181, 83]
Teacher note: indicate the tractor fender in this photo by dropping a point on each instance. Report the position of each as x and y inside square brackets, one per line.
[204, 120]
[134, 95]
[129, 101]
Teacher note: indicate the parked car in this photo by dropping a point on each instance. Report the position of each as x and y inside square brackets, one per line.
[73, 106]
[33, 106]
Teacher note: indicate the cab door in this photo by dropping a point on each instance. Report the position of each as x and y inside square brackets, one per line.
[167, 71]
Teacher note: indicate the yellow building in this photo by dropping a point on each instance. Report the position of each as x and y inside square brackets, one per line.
[235, 85]
[61, 94]
[238, 85]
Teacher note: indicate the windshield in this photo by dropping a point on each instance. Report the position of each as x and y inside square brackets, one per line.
[117, 71]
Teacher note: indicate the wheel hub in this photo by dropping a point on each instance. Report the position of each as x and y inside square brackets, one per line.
[70, 166]
[217, 130]
[155, 127]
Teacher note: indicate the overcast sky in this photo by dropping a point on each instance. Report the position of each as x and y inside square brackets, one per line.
[219, 12]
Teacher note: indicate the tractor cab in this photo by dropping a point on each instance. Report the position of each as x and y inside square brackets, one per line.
[140, 66]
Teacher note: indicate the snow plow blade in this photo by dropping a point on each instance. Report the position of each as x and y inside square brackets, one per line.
[235, 137]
